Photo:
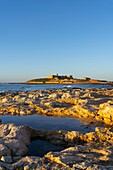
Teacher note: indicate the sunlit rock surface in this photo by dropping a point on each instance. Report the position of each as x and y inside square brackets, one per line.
[93, 104]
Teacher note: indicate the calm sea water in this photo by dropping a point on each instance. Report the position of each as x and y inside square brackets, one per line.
[24, 87]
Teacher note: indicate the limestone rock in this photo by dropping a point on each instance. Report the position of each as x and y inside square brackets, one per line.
[14, 139]
[4, 151]
[106, 111]
[7, 159]
[81, 103]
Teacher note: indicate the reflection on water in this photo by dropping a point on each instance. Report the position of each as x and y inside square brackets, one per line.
[41, 147]
[48, 123]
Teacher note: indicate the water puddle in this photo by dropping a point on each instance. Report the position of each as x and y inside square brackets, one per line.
[48, 123]
[41, 147]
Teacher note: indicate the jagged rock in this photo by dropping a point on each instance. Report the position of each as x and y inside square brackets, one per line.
[106, 111]
[37, 163]
[59, 104]
[4, 150]
[5, 166]
[14, 139]
[4, 100]
[53, 95]
[7, 159]
[66, 95]
[82, 157]
[92, 150]
[89, 151]
[81, 103]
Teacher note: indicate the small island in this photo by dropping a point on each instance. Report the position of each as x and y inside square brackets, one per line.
[66, 79]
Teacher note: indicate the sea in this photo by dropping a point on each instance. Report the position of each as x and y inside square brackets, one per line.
[39, 147]
[14, 87]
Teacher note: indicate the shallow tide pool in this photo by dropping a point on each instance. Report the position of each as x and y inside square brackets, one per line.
[48, 123]
[41, 147]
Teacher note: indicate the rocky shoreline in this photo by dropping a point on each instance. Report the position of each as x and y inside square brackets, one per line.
[89, 151]
[91, 105]
[84, 151]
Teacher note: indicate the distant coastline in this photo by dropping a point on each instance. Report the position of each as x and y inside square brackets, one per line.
[68, 80]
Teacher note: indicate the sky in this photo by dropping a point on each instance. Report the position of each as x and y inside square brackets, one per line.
[43, 37]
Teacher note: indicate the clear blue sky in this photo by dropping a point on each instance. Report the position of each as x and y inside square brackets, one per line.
[41, 37]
